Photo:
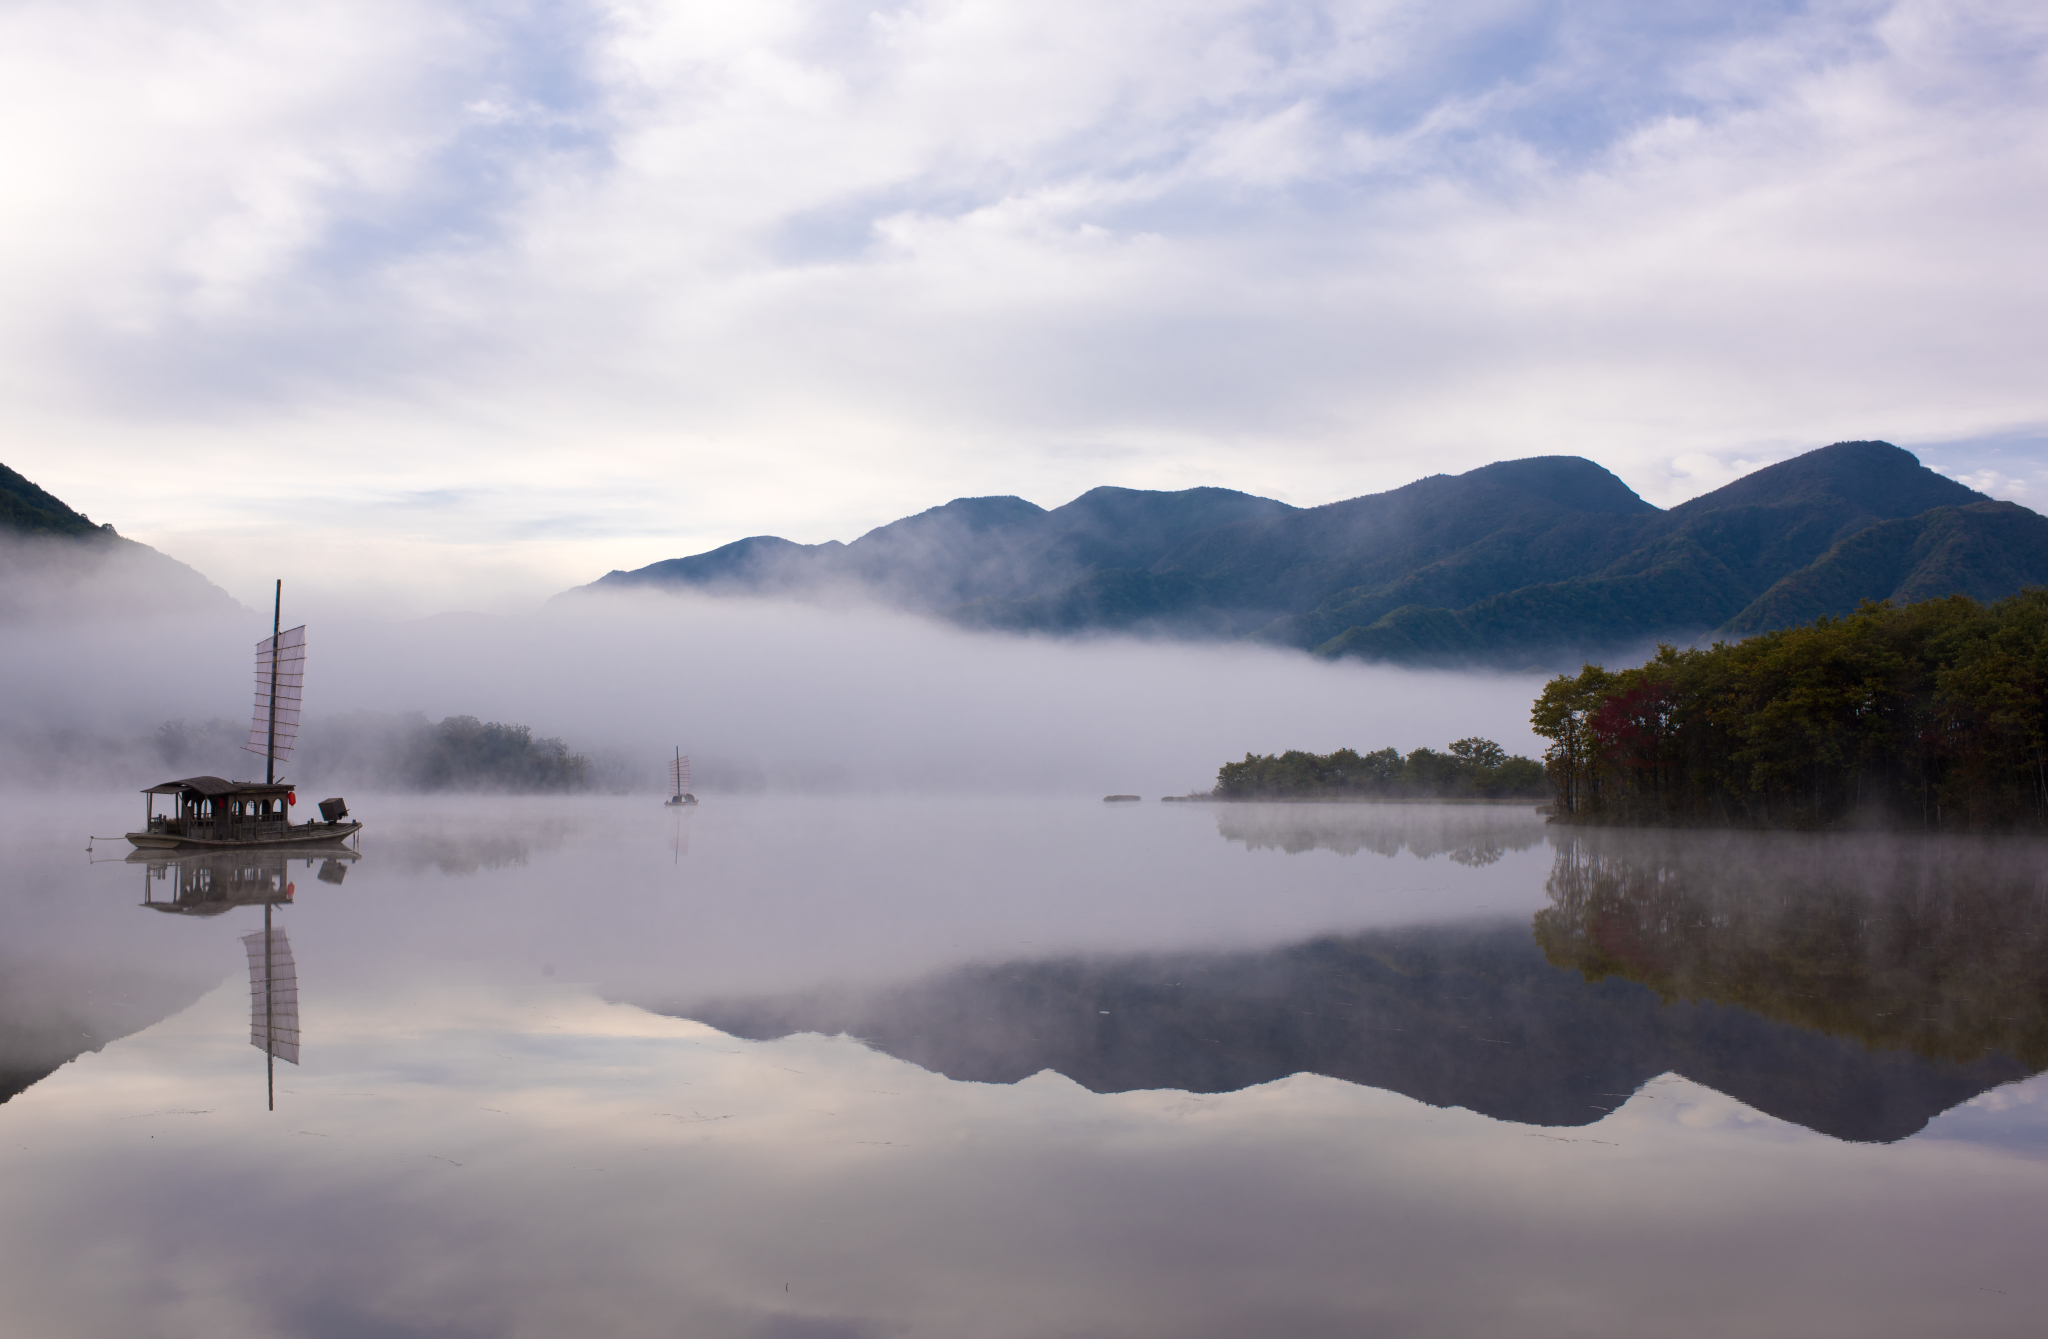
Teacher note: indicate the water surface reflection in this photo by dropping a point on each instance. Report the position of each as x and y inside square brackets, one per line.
[1120, 1076]
[1856, 986]
[1936, 945]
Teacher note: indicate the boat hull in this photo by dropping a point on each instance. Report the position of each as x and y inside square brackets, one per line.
[310, 834]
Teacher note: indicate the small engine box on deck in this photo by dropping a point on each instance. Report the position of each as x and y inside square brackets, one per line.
[333, 810]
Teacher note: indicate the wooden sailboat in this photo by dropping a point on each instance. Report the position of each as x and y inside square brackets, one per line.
[679, 779]
[207, 811]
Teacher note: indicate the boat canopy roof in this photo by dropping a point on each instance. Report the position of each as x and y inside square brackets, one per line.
[213, 788]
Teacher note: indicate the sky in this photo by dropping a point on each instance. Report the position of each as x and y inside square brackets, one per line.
[433, 305]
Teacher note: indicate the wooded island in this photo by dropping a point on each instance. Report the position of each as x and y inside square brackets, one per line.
[1469, 769]
[1932, 715]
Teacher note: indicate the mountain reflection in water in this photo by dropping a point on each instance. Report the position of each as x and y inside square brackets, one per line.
[1856, 986]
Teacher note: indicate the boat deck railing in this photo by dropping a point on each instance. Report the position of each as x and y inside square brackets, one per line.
[221, 829]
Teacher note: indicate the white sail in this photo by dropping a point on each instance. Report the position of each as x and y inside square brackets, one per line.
[273, 995]
[679, 775]
[291, 679]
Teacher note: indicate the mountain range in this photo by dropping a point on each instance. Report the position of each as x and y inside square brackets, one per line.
[1520, 562]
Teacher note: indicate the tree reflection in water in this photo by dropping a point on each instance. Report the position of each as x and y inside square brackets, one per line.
[1470, 834]
[1937, 945]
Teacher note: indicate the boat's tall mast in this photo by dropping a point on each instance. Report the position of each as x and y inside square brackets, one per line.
[270, 754]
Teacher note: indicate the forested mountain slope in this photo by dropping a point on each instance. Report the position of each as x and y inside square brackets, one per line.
[1513, 563]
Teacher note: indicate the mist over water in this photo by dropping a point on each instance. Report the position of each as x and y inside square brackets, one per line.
[764, 695]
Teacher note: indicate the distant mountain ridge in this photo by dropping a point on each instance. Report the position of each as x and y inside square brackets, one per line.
[1510, 563]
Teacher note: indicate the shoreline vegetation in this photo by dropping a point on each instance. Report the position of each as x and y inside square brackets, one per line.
[1471, 770]
[1930, 716]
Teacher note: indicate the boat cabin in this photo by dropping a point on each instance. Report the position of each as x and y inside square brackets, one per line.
[206, 808]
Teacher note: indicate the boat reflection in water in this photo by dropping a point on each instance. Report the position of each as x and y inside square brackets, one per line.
[212, 883]
[1855, 986]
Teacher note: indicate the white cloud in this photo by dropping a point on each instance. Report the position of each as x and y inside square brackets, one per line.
[641, 278]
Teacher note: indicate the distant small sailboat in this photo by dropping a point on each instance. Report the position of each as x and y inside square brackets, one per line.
[679, 779]
[208, 811]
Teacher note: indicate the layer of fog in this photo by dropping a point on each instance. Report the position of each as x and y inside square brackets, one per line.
[67, 579]
[762, 695]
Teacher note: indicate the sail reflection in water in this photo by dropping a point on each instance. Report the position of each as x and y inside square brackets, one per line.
[273, 993]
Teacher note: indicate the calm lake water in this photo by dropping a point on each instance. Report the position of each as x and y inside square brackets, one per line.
[786, 1068]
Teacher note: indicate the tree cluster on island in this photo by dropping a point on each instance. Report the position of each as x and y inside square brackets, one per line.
[1932, 716]
[401, 752]
[1471, 768]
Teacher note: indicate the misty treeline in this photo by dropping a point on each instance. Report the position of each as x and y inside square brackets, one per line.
[1471, 768]
[395, 752]
[1934, 715]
